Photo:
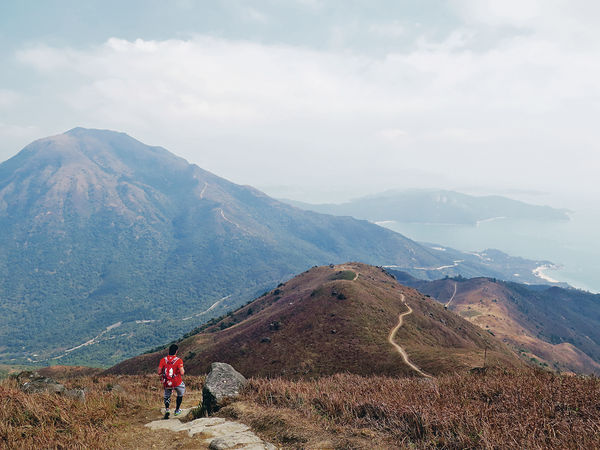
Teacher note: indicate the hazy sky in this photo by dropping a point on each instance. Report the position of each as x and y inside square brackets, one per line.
[320, 100]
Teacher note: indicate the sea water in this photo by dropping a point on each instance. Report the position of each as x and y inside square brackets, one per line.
[573, 245]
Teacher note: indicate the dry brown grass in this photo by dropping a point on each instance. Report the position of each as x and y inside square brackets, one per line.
[530, 409]
[498, 410]
[108, 414]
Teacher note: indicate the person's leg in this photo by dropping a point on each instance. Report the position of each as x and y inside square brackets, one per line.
[180, 391]
[168, 398]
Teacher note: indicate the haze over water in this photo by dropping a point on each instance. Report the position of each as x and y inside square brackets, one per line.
[572, 245]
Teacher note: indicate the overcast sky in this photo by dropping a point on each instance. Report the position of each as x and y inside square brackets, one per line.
[320, 100]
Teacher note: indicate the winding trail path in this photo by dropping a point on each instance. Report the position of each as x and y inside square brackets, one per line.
[451, 298]
[203, 190]
[400, 349]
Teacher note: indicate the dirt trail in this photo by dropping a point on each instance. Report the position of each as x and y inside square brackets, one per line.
[400, 349]
[147, 429]
[203, 190]
[451, 298]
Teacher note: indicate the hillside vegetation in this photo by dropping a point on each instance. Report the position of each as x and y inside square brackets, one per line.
[334, 319]
[500, 410]
[503, 409]
[111, 416]
[551, 326]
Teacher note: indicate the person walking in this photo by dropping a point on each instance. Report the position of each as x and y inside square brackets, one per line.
[170, 370]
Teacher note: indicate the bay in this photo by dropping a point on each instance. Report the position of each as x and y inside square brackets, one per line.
[574, 245]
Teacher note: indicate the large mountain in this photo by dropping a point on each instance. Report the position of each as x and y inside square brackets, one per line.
[558, 328]
[435, 206]
[335, 319]
[110, 246]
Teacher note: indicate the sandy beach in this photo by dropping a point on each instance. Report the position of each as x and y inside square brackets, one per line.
[539, 272]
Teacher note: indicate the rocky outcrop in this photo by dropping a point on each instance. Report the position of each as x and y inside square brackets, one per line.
[215, 432]
[222, 385]
[42, 385]
[34, 383]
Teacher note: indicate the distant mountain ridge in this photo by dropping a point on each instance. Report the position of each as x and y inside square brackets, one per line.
[334, 319]
[435, 206]
[122, 246]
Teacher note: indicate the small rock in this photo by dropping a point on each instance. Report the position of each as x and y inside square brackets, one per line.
[266, 340]
[478, 370]
[77, 394]
[115, 388]
[222, 385]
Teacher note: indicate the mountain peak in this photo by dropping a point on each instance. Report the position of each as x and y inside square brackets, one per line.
[100, 134]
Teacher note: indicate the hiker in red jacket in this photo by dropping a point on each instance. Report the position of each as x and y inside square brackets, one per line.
[170, 370]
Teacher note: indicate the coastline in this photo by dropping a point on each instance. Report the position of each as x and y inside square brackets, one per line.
[491, 219]
[539, 272]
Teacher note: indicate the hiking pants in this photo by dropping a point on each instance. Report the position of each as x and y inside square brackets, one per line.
[179, 389]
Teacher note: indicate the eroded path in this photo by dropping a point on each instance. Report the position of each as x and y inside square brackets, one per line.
[451, 298]
[400, 349]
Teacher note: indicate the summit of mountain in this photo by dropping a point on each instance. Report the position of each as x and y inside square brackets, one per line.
[333, 319]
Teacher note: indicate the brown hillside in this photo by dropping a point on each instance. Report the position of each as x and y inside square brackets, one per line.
[336, 319]
[520, 318]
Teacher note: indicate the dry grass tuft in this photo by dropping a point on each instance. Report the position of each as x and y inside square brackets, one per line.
[501, 409]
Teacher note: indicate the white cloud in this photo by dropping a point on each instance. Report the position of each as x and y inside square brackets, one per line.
[248, 110]
[253, 15]
[504, 12]
[392, 29]
[391, 134]
[8, 98]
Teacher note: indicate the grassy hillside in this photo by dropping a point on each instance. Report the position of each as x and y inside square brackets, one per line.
[551, 326]
[334, 319]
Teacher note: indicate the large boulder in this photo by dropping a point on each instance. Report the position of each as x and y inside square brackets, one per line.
[222, 385]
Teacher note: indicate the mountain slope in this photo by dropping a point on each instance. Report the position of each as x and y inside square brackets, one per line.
[336, 319]
[122, 246]
[431, 206]
[554, 326]
[115, 242]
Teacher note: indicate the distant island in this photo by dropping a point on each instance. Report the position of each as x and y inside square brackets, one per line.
[436, 206]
